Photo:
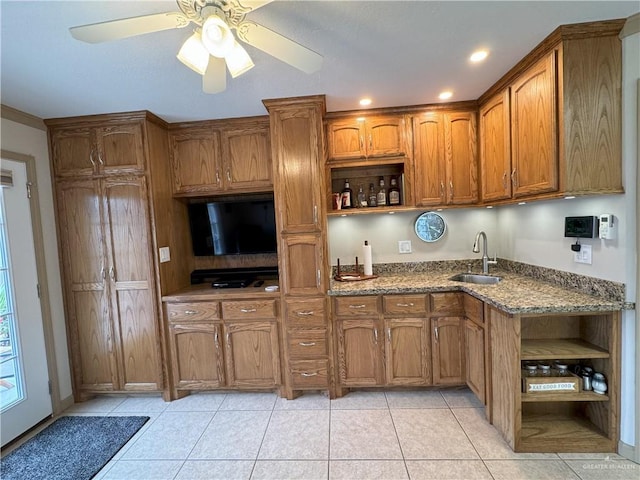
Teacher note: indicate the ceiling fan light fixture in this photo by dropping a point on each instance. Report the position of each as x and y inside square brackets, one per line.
[194, 54]
[217, 36]
[238, 60]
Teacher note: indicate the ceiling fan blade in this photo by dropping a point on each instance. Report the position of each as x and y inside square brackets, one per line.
[252, 5]
[214, 79]
[128, 27]
[280, 47]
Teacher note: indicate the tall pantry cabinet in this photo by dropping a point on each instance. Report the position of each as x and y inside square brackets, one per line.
[107, 246]
[298, 153]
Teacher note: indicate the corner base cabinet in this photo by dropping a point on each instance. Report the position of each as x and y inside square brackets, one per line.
[555, 421]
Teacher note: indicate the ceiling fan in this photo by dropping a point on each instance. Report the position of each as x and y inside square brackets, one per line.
[212, 45]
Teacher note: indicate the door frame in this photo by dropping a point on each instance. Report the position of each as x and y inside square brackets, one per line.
[45, 306]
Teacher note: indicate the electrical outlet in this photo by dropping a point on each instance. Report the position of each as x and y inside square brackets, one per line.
[404, 246]
[584, 255]
[165, 254]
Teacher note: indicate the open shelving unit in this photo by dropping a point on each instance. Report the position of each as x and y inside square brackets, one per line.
[556, 421]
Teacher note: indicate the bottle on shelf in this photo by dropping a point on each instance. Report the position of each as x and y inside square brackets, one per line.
[362, 197]
[394, 192]
[373, 197]
[382, 194]
[347, 195]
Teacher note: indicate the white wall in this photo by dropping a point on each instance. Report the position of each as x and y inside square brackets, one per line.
[25, 140]
[383, 231]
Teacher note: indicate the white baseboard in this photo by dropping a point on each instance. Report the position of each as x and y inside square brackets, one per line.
[628, 451]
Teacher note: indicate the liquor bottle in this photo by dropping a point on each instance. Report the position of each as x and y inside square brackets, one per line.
[394, 192]
[362, 197]
[373, 197]
[382, 194]
[347, 195]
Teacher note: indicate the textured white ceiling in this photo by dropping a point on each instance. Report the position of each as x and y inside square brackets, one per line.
[399, 53]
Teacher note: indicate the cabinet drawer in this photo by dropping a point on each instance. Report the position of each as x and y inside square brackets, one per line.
[307, 343]
[401, 304]
[309, 373]
[306, 313]
[193, 311]
[356, 306]
[446, 303]
[249, 309]
[474, 309]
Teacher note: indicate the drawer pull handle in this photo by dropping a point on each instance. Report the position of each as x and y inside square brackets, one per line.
[375, 335]
[307, 344]
[248, 310]
[356, 307]
[190, 312]
[304, 313]
[404, 304]
[305, 374]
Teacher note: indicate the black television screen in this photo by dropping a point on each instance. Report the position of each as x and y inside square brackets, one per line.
[235, 227]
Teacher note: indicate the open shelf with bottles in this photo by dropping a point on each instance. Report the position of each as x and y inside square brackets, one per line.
[366, 176]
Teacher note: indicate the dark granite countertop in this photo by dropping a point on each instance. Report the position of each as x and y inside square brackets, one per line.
[514, 294]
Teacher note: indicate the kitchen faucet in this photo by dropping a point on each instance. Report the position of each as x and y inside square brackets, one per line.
[485, 257]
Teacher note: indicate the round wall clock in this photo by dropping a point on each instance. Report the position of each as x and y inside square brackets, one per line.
[430, 227]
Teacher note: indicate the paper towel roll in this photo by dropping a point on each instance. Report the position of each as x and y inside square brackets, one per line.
[366, 258]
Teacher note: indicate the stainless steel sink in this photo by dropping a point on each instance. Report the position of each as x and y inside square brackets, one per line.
[476, 278]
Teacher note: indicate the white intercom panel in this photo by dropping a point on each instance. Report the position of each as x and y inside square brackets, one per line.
[608, 226]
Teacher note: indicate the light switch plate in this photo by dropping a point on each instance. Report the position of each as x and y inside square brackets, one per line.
[584, 255]
[165, 254]
[404, 246]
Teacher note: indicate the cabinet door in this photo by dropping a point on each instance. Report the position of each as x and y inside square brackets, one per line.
[534, 130]
[252, 354]
[346, 139]
[196, 356]
[303, 254]
[91, 336]
[429, 158]
[447, 352]
[297, 138]
[407, 352]
[474, 355]
[495, 148]
[120, 148]
[72, 151]
[247, 158]
[132, 282]
[195, 159]
[359, 352]
[384, 136]
[460, 133]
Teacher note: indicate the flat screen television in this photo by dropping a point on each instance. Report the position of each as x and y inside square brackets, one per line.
[233, 227]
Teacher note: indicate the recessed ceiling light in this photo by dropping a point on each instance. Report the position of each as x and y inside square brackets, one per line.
[365, 102]
[478, 56]
[445, 95]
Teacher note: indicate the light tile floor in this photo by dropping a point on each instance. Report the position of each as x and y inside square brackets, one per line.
[368, 435]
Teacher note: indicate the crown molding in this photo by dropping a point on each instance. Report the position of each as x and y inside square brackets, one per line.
[18, 116]
[631, 26]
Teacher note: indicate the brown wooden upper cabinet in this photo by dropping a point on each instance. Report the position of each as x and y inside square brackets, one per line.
[363, 137]
[553, 127]
[445, 159]
[93, 150]
[215, 158]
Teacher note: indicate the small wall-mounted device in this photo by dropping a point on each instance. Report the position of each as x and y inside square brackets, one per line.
[581, 227]
[608, 226]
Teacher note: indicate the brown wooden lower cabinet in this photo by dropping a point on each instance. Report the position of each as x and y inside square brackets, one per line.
[553, 421]
[447, 351]
[474, 358]
[360, 352]
[209, 351]
[407, 352]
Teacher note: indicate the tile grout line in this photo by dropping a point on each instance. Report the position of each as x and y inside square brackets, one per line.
[255, 461]
[471, 442]
[215, 414]
[395, 430]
